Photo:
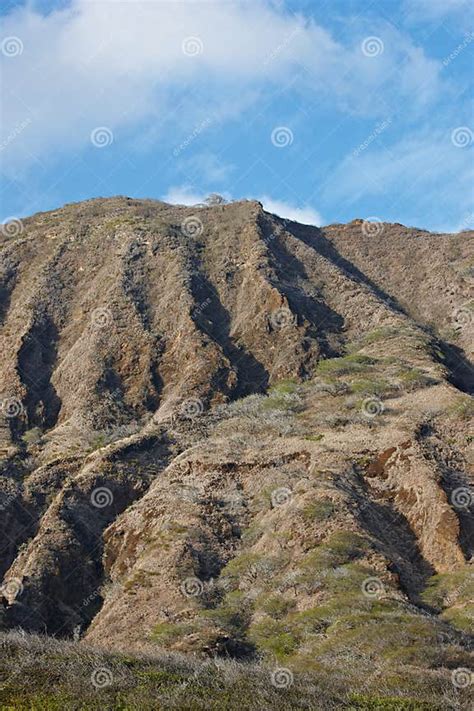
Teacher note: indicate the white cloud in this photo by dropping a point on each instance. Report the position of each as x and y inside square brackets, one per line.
[209, 168]
[183, 195]
[122, 65]
[187, 195]
[306, 215]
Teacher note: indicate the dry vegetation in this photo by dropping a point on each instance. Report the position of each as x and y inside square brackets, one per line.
[42, 674]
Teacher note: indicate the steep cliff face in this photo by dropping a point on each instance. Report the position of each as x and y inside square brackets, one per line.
[227, 433]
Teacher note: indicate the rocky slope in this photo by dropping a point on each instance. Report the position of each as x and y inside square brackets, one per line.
[227, 433]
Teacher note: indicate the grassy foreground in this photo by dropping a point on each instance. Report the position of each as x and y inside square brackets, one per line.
[45, 674]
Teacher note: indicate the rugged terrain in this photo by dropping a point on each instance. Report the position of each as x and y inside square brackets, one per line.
[227, 434]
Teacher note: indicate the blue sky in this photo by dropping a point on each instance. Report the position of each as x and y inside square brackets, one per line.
[326, 110]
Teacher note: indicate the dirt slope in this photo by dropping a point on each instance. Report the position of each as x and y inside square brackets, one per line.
[227, 433]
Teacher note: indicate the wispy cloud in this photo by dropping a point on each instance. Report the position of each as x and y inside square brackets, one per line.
[207, 167]
[165, 65]
[411, 171]
[187, 195]
[307, 215]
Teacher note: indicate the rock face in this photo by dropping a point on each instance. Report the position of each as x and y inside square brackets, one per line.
[227, 433]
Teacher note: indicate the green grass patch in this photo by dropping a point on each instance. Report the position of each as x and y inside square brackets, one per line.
[341, 548]
[167, 633]
[369, 702]
[318, 510]
[370, 387]
[452, 595]
[375, 336]
[277, 606]
[274, 637]
[414, 378]
[232, 614]
[284, 387]
[352, 363]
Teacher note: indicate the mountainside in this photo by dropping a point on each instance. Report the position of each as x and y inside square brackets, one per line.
[226, 433]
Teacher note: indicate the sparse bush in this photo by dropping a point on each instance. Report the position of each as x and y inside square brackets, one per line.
[353, 363]
[370, 387]
[32, 436]
[463, 408]
[249, 566]
[262, 414]
[319, 510]
[288, 401]
[274, 637]
[342, 547]
[314, 438]
[414, 378]
[277, 606]
[232, 614]
[215, 199]
[335, 672]
[452, 594]
[166, 633]
[375, 702]
[379, 334]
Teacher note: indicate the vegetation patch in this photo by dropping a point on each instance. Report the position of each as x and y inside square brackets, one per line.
[463, 408]
[369, 702]
[352, 363]
[375, 386]
[318, 510]
[233, 614]
[342, 547]
[377, 335]
[452, 595]
[273, 637]
[414, 378]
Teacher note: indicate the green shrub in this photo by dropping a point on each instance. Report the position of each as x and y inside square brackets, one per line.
[284, 387]
[32, 436]
[375, 336]
[311, 621]
[462, 618]
[380, 334]
[166, 633]
[98, 442]
[404, 639]
[452, 594]
[346, 365]
[369, 702]
[342, 547]
[287, 401]
[370, 387]
[249, 567]
[414, 378]
[446, 589]
[318, 510]
[277, 606]
[273, 636]
[232, 614]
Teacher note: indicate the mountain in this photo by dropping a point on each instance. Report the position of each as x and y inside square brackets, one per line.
[230, 435]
